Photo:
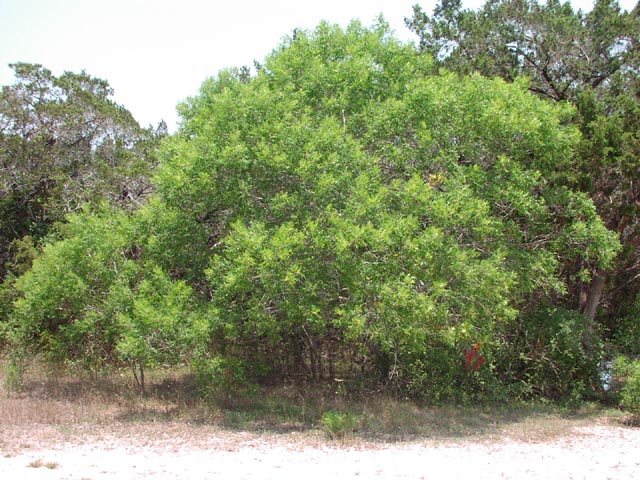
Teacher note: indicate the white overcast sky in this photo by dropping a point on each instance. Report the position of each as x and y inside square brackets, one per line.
[156, 53]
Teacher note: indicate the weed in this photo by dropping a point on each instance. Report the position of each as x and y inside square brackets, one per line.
[339, 425]
[37, 463]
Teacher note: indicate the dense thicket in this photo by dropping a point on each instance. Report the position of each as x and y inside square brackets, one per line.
[591, 60]
[348, 212]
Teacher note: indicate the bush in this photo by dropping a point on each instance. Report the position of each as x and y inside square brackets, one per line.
[627, 336]
[13, 376]
[439, 375]
[339, 425]
[551, 353]
[222, 378]
[630, 391]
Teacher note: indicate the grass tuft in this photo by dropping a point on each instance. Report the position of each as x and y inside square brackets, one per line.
[38, 463]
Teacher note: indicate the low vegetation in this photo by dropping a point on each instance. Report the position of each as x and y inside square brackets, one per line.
[39, 463]
[629, 371]
[76, 406]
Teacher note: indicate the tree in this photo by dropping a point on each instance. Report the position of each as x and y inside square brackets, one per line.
[158, 327]
[64, 142]
[69, 300]
[591, 60]
[365, 212]
[563, 52]
[93, 298]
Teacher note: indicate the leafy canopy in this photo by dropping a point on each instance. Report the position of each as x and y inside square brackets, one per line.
[354, 197]
[588, 59]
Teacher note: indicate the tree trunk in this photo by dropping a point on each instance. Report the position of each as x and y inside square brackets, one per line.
[590, 307]
[593, 297]
[139, 377]
[142, 386]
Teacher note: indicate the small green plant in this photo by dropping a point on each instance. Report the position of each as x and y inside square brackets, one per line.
[339, 425]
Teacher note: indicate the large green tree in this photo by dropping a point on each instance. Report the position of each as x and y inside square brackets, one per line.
[591, 60]
[355, 201]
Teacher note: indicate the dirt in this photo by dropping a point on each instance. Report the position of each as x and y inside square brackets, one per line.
[180, 451]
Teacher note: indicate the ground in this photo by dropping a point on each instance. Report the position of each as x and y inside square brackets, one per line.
[175, 450]
[58, 426]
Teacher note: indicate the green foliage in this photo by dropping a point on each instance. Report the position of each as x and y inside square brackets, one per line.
[590, 60]
[627, 338]
[56, 311]
[562, 51]
[630, 391]
[156, 322]
[346, 212]
[222, 378]
[63, 143]
[339, 425]
[550, 352]
[359, 203]
[13, 376]
[93, 298]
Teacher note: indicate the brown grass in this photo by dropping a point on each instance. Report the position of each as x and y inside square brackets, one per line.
[39, 463]
[68, 398]
[68, 405]
[36, 463]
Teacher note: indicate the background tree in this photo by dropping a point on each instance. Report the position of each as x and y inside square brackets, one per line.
[64, 142]
[591, 60]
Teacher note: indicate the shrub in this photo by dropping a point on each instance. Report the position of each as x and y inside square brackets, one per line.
[551, 353]
[222, 378]
[339, 425]
[630, 391]
[159, 327]
[627, 336]
[13, 376]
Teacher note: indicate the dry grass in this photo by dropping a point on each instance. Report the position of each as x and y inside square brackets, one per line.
[39, 463]
[72, 398]
[68, 407]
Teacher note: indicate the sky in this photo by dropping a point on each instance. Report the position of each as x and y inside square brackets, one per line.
[157, 53]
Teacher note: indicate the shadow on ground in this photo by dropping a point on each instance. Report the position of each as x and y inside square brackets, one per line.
[172, 396]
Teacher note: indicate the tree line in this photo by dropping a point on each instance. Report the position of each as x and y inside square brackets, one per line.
[456, 221]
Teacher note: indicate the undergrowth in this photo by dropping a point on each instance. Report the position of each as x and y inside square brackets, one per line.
[71, 398]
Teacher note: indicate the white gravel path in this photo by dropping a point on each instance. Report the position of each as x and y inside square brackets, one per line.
[600, 452]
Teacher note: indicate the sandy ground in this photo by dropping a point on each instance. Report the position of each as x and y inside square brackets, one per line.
[173, 452]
